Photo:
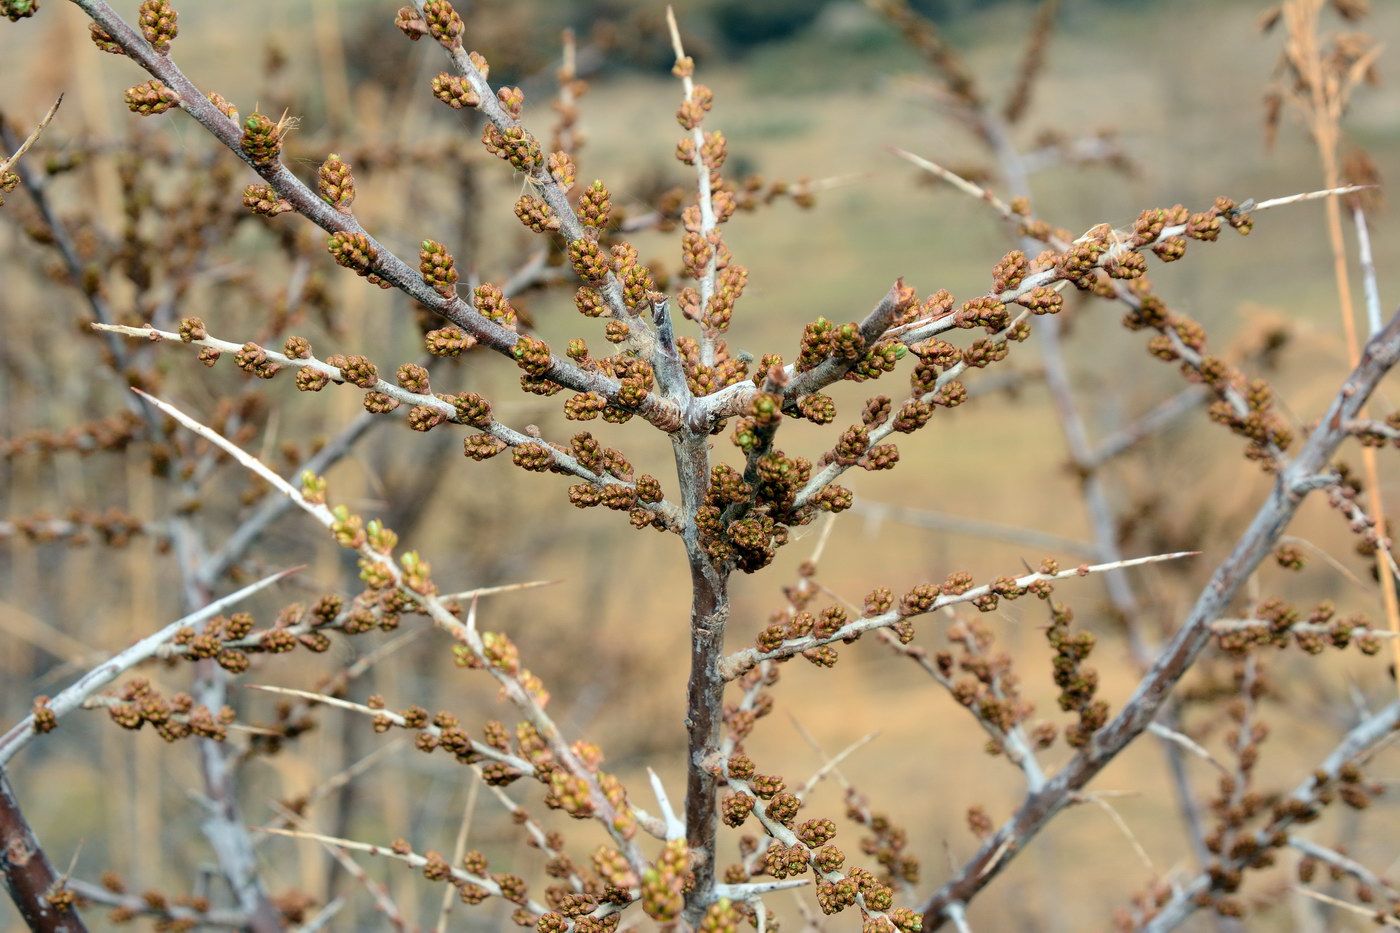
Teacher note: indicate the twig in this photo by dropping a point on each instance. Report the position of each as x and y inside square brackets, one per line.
[31, 138]
[138, 906]
[72, 697]
[459, 849]
[1186, 742]
[684, 67]
[410, 858]
[377, 892]
[1381, 917]
[741, 661]
[1349, 865]
[1098, 800]
[322, 917]
[446, 411]
[482, 749]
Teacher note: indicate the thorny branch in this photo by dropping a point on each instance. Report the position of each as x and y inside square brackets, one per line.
[1379, 356]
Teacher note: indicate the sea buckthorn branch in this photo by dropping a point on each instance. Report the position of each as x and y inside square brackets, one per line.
[294, 719]
[552, 177]
[924, 37]
[139, 703]
[897, 301]
[229, 642]
[434, 867]
[419, 722]
[886, 844]
[921, 600]
[750, 196]
[756, 702]
[1237, 800]
[1102, 249]
[1375, 433]
[1242, 412]
[181, 910]
[1032, 62]
[378, 893]
[939, 394]
[1301, 806]
[250, 530]
[352, 239]
[408, 575]
[48, 711]
[299, 624]
[1342, 495]
[761, 427]
[1322, 628]
[736, 398]
[1245, 413]
[793, 852]
[1012, 742]
[1255, 544]
[550, 843]
[888, 841]
[426, 410]
[706, 160]
[1000, 714]
[112, 433]
[113, 528]
[1338, 862]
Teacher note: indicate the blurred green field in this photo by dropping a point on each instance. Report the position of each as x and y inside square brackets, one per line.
[1180, 83]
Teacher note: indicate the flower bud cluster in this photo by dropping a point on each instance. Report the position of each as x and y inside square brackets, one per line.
[150, 98]
[1275, 623]
[1078, 683]
[336, 184]
[157, 22]
[797, 847]
[173, 718]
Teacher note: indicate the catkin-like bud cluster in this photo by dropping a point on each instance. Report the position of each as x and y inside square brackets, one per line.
[443, 22]
[150, 98]
[157, 22]
[262, 140]
[354, 251]
[438, 268]
[262, 199]
[336, 184]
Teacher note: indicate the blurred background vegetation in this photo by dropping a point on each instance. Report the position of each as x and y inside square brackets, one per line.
[803, 89]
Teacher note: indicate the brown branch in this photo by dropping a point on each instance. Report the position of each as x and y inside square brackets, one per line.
[29, 875]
